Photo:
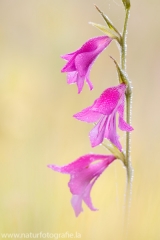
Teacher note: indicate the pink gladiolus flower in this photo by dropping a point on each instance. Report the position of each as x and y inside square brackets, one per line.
[84, 172]
[80, 62]
[104, 111]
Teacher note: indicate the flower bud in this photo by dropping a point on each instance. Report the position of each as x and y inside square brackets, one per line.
[126, 3]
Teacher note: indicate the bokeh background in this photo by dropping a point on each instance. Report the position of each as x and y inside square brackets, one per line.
[37, 128]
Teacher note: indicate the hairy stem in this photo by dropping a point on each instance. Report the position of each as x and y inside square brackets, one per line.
[128, 165]
[124, 45]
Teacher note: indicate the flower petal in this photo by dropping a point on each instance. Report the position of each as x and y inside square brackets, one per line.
[87, 78]
[84, 172]
[92, 44]
[88, 46]
[124, 126]
[87, 198]
[86, 58]
[76, 202]
[71, 77]
[82, 59]
[81, 183]
[109, 99]
[87, 115]
[111, 133]
[68, 56]
[70, 66]
[80, 163]
[96, 135]
[80, 83]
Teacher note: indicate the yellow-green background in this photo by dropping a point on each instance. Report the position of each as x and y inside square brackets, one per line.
[37, 128]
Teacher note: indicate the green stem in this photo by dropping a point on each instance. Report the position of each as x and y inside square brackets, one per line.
[124, 45]
[128, 165]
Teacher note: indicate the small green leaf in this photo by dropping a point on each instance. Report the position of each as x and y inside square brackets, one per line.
[108, 21]
[121, 75]
[106, 18]
[114, 150]
[105, 30]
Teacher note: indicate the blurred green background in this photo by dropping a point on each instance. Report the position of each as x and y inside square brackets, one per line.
[37, 128]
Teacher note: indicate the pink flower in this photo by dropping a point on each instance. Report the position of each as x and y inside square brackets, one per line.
[80, 62]
[104, 111]
[84, 172]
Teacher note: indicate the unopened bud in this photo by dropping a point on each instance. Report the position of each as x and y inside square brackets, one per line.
[126, 3]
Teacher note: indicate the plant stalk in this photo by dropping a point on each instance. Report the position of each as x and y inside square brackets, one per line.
[128, 164]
